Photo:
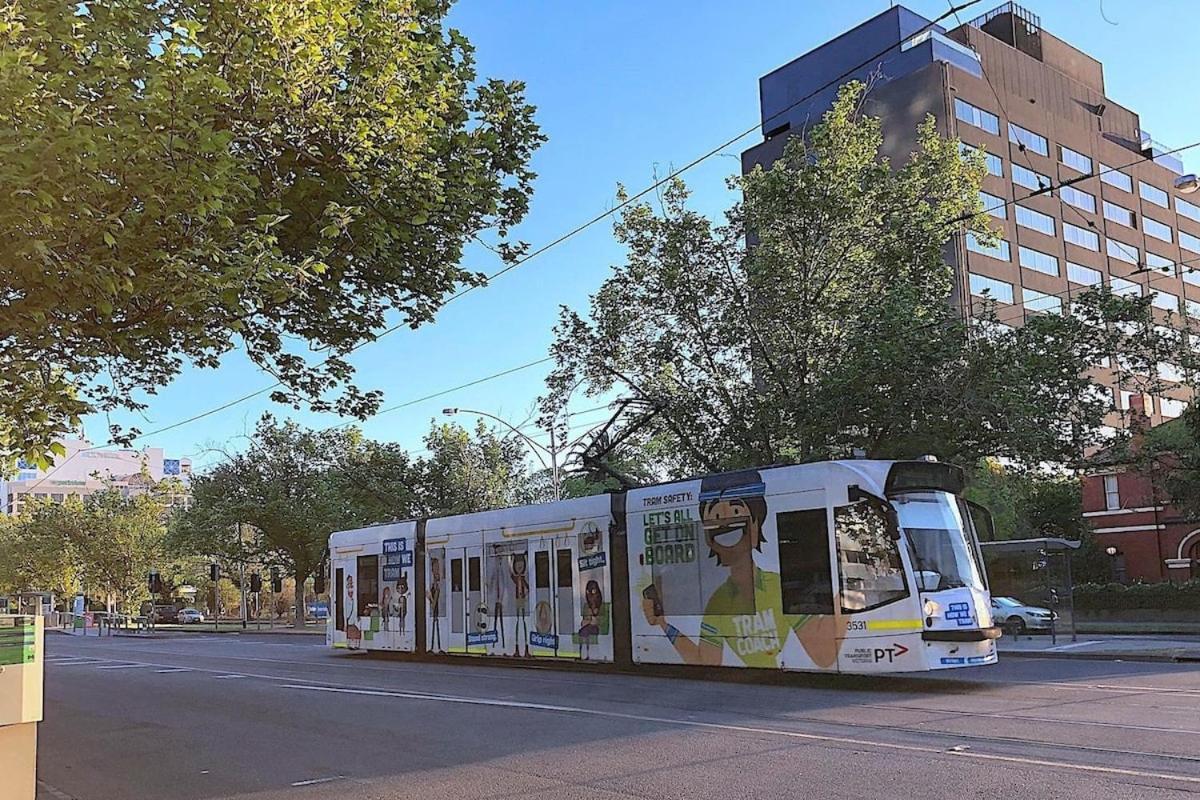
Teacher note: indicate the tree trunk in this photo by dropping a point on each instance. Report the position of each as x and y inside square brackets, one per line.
[298, 616]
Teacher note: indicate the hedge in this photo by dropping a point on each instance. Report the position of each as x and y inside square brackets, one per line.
[1118, 597]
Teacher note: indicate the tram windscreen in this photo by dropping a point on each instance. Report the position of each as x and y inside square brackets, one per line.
[942, 556]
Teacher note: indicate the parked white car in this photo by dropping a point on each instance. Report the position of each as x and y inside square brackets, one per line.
[1012, 613]
[190, 615]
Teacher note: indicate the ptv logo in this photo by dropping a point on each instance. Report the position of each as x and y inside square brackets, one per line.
[890, 653]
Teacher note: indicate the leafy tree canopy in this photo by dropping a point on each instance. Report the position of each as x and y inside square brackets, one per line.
[183, 177]
[840, 332]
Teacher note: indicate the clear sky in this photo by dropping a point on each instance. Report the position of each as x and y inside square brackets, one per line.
[624, 90]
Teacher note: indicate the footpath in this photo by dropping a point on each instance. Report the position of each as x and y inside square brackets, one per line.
[1180, 648]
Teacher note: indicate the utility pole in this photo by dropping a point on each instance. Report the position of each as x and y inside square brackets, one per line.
[242, 572]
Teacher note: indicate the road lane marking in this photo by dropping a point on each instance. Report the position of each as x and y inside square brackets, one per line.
[226, 677]
[315, 781]
[171, 670]
[124, 666]
[1072, 646]
[484, 701]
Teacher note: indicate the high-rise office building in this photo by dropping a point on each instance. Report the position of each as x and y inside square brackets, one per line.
[1037, 106]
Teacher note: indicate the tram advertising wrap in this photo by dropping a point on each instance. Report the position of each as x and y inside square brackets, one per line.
[850, 566]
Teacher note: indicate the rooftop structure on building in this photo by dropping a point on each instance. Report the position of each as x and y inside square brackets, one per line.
[1037, 106]
[84, 470]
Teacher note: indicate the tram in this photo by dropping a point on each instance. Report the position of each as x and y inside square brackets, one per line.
[853, 566]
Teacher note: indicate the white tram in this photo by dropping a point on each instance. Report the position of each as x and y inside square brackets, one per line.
[840, 566]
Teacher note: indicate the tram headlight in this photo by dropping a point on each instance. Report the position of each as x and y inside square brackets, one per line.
[932, 608]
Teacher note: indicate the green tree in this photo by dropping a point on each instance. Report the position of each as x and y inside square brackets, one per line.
[465, 472]
[117, 541]
[275, 503]
[833, 335]
[182, 178]
[36, 550]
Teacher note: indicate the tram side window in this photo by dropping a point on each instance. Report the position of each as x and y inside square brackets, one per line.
[804, 570]
[368, 585]
[872, 573]
[541, 569]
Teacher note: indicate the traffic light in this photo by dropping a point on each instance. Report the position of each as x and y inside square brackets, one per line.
[319, 583]
[214, 573]
[154, 582]
[276, 581]
[255, 582]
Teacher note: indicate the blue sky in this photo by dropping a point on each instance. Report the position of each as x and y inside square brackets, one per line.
[625, 89]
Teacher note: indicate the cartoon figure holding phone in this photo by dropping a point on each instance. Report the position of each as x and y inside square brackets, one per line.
[745, 612]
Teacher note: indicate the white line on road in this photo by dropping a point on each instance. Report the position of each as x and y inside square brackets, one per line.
[124, 666]
[73, 662]
[1072, 646]
[751, 729]
[315, 781]
[171, 670]
[226, 677]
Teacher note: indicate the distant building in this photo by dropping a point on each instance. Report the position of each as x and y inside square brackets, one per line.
[83, 471]
[1147, 538]
[1037, 107]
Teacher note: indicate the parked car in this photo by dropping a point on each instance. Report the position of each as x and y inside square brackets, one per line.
[190, 616]
[1014, 614]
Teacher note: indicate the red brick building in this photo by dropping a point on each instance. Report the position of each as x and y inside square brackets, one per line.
[1128, 511]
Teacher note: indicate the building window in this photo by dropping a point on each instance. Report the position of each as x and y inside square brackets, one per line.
[996, 206]
[1119, 214]
[1085, 276]
[1186, 209]
[1122, 252]
[1112, 495]
[1115, 178]
[1153, 194]
[1081, 237]
[1000, 250]
[1029, 179]
[1076, 161]
[1155, 261]
[1126, 401]
[1189, 242]
[1154, 228]
[1035, 220]
[1125, 288]
[1191, 308]
[1028, 140]
[1072, 196]
[1038, 261]
[1040, 301]
[972, 115]
[1171, 408]
[1166, 301]
[1190, 275]
[995, 164]
[1170, 372]
[983, 286]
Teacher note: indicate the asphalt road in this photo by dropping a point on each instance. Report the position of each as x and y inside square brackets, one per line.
[194, 716]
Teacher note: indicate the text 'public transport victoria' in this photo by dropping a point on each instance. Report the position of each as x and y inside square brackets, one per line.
[846, 566]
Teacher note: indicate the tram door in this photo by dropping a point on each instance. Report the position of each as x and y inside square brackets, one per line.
[476, 619]
[458, 619]
[553, 597]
